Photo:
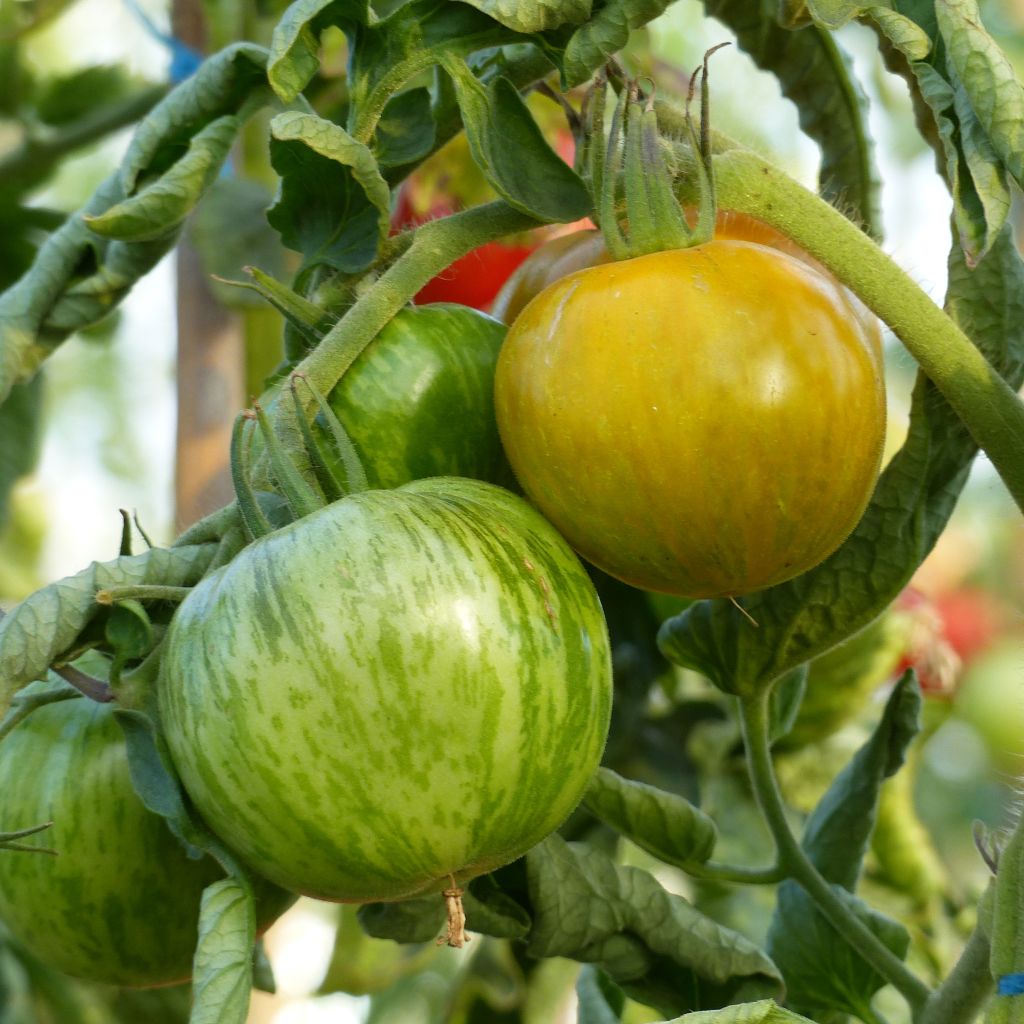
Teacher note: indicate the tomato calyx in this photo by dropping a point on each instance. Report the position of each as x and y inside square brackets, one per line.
[631, 172]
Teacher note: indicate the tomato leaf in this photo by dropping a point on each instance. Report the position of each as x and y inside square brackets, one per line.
[534, 15]
[333, 205]
[502, 136]
[787, 696]
[223, 968]
[295, 46]
[814, 73]
[417, 920]
[821, 969]
[600, 1000]
[406, 131]
[766, 1011]
[230, 232]
[163, 204]
[20, 418]
[665, 825]
[656, 946]
[46, 625]
[78, 277]
[822, 972]
[911, 505]
[583, 51]
[987, 80]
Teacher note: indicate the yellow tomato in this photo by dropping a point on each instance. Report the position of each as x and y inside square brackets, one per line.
[704, 422]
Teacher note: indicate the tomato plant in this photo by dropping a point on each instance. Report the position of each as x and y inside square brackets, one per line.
[373, 679]
[87, 907]
[450, 725]
[714, 448]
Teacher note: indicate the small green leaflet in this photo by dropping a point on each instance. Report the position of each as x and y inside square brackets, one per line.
[223, 967]
[534, 15]
[503, 136]
[661, 823]
[333, 205]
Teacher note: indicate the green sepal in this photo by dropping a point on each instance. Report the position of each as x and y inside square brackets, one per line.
[254, 522]
[354, 480]
[302, 499]
[324, 477]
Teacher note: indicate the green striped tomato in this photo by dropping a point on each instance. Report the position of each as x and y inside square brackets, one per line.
[419, 401]
[406, 686]
[119, 904]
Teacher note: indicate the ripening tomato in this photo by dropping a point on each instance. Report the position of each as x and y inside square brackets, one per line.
[580, 249]
[705, 422]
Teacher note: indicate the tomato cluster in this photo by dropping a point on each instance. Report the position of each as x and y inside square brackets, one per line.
[412, 685]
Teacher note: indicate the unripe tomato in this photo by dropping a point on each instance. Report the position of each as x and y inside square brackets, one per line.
[403, 687]
[119, 904]
[419, 401]
[705, 422]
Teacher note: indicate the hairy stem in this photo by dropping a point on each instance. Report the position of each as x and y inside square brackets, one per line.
[961, 997]
[714, 872]
[754, 718]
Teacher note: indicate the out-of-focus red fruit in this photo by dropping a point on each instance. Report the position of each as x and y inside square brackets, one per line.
[946, 633]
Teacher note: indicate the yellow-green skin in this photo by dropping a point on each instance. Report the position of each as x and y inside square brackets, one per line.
[704, 422]
[404, 687]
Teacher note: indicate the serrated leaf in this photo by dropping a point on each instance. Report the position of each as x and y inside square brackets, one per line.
[406, 131]
[128, 630]
[333, 205]
[600, 999]
[911, 505]
[656, 946]
[36, 632]
[534, 15]
[664, 824]
[603, 35]
[765, 1011]
[223, 967]
[163, 204]
[20, 420]
[221, 85]
[987, 77]
[822, 971]
[295, 46]
[815, 73]
[904, 33]
[503, 137]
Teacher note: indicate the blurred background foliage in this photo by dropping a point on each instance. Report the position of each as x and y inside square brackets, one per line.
[96, 433]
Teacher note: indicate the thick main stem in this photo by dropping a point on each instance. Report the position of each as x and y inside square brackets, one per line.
[754, 718]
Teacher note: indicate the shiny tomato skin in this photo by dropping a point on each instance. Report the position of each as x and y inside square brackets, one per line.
[580, 249]
[705, 422]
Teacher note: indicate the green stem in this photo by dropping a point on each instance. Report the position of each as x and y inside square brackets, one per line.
[436, 246]
[961, 997]
[25, 703]
[987, 405]
[142, 592]
[754, 718]
[713, 872]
